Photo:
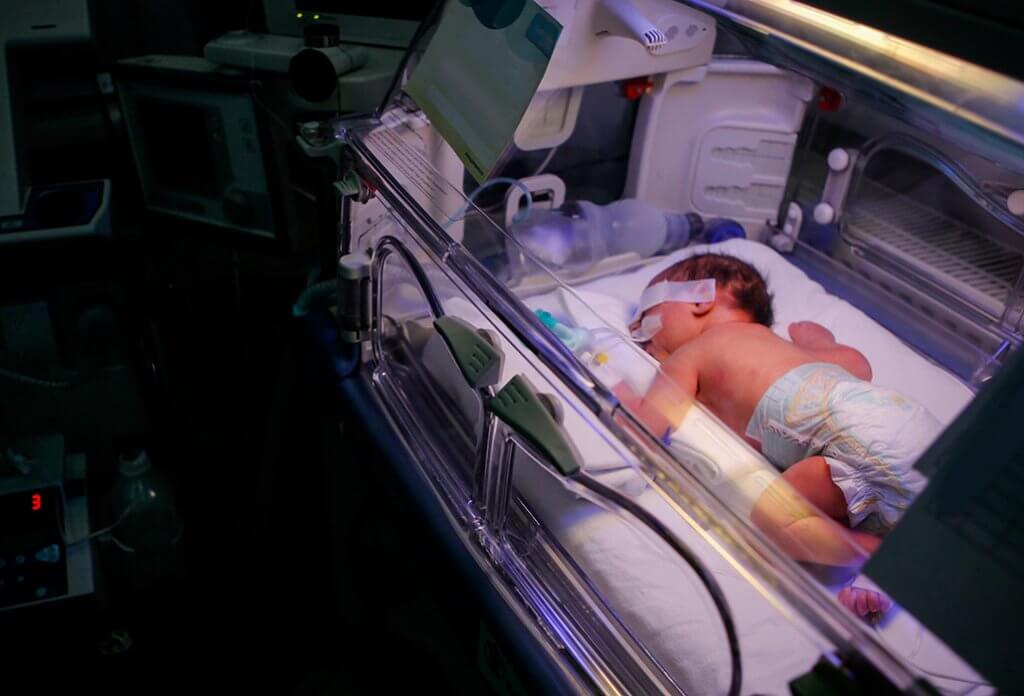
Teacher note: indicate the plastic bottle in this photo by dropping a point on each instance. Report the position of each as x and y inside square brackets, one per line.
[576, 236]
[144, 506]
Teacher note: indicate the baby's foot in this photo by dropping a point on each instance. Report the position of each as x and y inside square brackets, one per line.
[870, 605]
[810, 333]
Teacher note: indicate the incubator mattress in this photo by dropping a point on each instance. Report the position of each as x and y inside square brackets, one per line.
[653, 590]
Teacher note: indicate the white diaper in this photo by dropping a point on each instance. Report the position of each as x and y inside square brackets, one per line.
[870, 437]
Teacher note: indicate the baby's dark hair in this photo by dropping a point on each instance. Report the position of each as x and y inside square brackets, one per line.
[741, 280]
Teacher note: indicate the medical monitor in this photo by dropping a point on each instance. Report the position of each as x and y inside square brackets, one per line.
[199, 144]
[387, 23]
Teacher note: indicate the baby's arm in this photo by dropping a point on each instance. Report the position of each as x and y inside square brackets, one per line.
[817, 339]
[665, 404]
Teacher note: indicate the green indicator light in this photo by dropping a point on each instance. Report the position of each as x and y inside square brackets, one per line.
[298, 15]
[316, 16]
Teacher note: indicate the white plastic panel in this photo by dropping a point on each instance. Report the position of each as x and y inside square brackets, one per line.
[594, 47]
[549, 119]
[719, 141]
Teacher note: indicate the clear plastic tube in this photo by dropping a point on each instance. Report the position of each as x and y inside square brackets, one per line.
[521, 215]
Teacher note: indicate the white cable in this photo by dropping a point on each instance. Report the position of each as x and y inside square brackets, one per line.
[65, 536]
[547, 160]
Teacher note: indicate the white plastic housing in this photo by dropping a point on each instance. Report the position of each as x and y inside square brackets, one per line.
[597, 43]
[719, 141]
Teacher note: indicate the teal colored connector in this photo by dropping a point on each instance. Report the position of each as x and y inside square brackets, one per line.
[577, 339]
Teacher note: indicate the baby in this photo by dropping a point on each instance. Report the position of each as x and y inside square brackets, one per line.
[847, 446]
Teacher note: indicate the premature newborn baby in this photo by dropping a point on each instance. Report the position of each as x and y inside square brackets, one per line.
[847, 446]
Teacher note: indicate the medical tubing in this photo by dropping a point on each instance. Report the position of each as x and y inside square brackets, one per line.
[521, 215]
[311, 294]
[387, 245]
[547, 160]
[712, 586]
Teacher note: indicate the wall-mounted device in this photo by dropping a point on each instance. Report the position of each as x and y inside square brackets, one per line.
[44, 551]
[198, 140]
[338, 57]
[44, 212]
[604, 41]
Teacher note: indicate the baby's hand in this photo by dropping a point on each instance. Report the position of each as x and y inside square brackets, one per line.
[867, 604]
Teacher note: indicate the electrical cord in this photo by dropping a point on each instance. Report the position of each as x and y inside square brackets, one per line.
[34, 381]
[705, 576]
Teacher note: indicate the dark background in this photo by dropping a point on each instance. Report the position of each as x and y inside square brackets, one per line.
[304, 567]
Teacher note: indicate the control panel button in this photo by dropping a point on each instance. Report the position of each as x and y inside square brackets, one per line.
[19, 559]
[40, 592]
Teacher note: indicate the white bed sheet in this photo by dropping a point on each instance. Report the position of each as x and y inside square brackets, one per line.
[653, 590]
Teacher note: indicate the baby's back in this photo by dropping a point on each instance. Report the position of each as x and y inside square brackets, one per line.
[736, 363]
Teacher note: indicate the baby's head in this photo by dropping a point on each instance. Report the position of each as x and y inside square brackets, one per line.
[740, 295]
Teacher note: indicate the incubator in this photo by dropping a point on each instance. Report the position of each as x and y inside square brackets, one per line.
[873, 181]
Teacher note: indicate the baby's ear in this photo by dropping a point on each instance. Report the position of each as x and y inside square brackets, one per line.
[699, 309]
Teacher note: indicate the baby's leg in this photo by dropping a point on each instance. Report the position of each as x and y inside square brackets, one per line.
[800, 514]
[812, 480]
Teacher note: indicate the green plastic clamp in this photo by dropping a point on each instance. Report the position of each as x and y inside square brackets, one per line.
[520, 407]
[479, 361]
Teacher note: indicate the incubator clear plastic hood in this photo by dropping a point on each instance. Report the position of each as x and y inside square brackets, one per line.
[635, 557]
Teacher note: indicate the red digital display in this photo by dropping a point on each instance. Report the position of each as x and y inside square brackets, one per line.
[37, 502]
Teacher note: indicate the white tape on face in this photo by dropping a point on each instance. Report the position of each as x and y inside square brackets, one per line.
[649, 326]
[675, 291]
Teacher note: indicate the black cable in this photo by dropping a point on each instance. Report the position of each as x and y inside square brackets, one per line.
[712, 586]
[427, 22]
[33, 381]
